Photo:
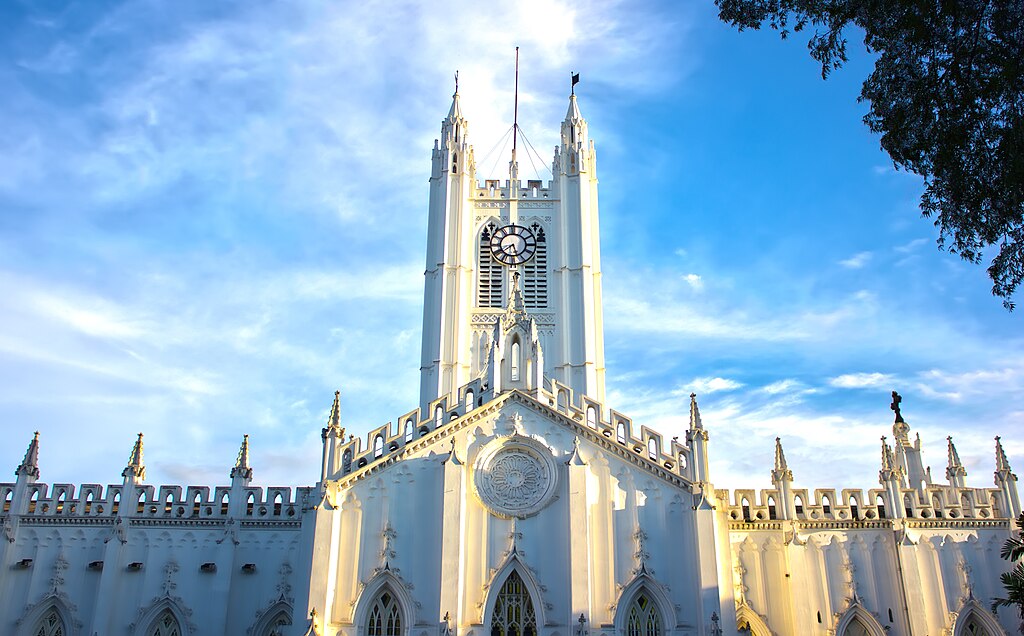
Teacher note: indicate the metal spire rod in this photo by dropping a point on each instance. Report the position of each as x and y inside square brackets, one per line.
[515, 109]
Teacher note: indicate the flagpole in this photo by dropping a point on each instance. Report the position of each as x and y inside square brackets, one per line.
[515, 109]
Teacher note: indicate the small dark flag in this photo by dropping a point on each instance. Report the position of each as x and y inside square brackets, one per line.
[575, 79]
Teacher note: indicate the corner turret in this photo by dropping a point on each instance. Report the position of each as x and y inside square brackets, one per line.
[890, 477]
[1006, 482]
[27, 474]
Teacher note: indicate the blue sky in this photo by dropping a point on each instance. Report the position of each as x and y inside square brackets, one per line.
[213, 215]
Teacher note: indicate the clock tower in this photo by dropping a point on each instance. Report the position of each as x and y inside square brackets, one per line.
[480, 234]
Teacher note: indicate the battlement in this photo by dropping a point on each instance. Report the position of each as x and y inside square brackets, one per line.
[152, 502]
[534, 189]
[389, 441]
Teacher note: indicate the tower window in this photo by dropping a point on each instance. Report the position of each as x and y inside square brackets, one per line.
[535, 273]
[489, 272]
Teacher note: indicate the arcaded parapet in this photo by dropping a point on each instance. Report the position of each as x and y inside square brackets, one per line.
[896, 559]
[120, 559]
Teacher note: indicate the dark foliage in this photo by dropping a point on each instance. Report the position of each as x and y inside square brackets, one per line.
[1013, 581]
[947, 98]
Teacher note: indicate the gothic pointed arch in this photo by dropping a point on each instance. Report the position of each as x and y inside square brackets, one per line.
[270, 622]
[51, 616]
[164, 617]
[644, 597]
[974, 620]
[514, 578]
[857, 621]
[384, 597]
[754, 623]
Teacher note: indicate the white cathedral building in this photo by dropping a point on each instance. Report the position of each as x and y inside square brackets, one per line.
[513, 500]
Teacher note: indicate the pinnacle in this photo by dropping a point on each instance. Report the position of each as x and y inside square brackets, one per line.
[953, 456]
[1002, 464]
[30, 465]
[573, 114]
[335, 419]
[695, 423]
[242, 468]
[780, 456]
[135, 467]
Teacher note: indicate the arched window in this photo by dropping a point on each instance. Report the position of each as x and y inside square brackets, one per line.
[798, 502]
[591, 417]
[488, 272]
[856, 628]
[165, 625]
[385, 618]
[772, 513]
[880, 503]
[50, 625]
[469, 400]
[378, 446]
[535, 272]
[965, 505]
[974, 628]
[438, 416]
[515, 361]
[620, 432]
[854, 510]
[250, 503]
[746, 509]
[346, 461]
[643, 618]
[936, 506]
[908, 507]
[513, 609]
[224, 504]
[826, 504]
[408, 430]
[652, 448]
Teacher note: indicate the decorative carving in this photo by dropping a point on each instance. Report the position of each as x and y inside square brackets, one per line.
[515, 477]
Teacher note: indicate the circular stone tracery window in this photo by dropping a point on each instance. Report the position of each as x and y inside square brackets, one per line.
[515, 477]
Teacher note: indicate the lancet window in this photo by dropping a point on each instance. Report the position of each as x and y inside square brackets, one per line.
[973, 628]
[385, 618]
[643, 618]
[50, 625]
[513, 609]
[488, 271]
[165, 625]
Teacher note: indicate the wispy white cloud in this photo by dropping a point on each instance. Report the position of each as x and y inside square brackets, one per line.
[872, 380]
[857, 261]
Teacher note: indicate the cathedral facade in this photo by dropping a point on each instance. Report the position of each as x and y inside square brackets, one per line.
[513, 500]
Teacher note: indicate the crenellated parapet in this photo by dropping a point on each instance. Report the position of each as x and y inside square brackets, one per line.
[390, 442]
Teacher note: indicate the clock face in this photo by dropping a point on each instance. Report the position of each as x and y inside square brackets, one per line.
[513, 245]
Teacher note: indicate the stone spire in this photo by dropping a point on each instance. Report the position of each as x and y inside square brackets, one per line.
[29, 466]
[695, 423]
[135, 470]
[242, 468]
[955, 471]
[782, 471]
